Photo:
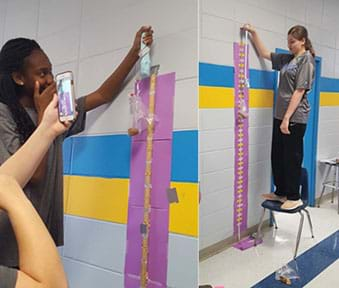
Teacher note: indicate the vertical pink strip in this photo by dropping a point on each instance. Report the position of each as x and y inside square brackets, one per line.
[161, 173]
[240, 141]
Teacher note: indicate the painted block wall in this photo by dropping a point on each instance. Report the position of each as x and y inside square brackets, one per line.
[91, 38]
[219, 23]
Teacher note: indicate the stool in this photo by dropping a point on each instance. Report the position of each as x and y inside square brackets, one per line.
[331, 183]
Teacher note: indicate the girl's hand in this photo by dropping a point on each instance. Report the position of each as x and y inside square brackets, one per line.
[42, 100]
[249, 28]
[284, 126]
[147, 39]
[50, 120]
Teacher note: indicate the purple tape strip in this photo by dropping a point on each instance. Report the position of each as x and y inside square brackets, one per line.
[161, 173]
[240, 142]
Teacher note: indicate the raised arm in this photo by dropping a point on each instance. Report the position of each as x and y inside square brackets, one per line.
[259, 45]
[112, 85]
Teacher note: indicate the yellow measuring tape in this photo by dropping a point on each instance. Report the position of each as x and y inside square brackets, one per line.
[145, 226]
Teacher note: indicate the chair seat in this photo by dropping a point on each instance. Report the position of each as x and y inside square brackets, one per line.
[276, 206]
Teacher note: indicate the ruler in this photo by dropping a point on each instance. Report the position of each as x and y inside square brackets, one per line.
[145, 226]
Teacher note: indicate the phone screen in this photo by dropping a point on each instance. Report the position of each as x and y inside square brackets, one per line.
[64, 87]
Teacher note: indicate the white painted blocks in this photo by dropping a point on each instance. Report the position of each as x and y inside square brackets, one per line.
[210, 119]
[221, 8]
[96, 28]
[214, 52]
[217, 160]
[212, 140]
[182, 271]
[177, 52]
[27, 12]
[216, 181]
[219, 29]
[259, 17]
[58, 15]
[185, 105]
[62, 47]
[82, 275]
[94, 242]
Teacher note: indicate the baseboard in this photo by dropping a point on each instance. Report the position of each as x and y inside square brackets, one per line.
[228, 242]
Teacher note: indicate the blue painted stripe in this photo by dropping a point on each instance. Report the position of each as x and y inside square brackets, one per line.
[216, 75]
[109, 156]
[185, 156]
[101, 156]
[260, 79]
[310, 264]
[329, 84]
[223, 76]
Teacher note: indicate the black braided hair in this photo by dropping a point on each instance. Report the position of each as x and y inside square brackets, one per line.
[12, 56]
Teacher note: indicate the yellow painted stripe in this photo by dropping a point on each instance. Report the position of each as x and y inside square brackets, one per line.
[329, 99]
[261, 98]
[221, 97]
[184, 215]
[98, 198]
[107, 200]
[216, 97]
[66, 194]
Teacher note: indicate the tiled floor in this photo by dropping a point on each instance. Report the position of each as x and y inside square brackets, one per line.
[242, 269]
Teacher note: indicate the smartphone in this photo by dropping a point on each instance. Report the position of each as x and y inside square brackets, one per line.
[65, 91]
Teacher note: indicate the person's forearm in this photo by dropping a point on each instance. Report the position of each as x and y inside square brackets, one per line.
[23, 164]
[259, 45]
[38, 256]
[112, 85]
[294, 102]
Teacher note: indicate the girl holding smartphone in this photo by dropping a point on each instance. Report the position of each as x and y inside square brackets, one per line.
[26, 88]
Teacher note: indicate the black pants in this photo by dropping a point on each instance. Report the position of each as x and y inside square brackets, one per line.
[287, 156]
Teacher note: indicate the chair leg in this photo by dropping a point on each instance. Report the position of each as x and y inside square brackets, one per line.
[299, 234]
[309, 221]
[258, 236]
[325, 179]
[274, 220]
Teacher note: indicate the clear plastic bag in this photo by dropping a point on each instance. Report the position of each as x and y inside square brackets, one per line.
[287, 273]
[139, 116]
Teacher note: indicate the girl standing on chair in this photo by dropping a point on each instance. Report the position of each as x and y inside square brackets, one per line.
[297, 72]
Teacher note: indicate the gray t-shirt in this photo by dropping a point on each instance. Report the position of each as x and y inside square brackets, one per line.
[7, 277]
[47, 196]
[295, 73]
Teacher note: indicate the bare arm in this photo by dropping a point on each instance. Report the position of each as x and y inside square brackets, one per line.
[259, 45]
[41, 101]
[39, 261]
[25, 161]
[292, 106]
[112, 85]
